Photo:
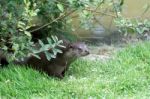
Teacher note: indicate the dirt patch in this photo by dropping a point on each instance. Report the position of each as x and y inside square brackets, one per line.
[97, 57]
[101, 53]
[102, 49]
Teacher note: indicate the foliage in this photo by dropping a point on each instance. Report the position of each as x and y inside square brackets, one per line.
[127, 75]
[16, 17]
[50, 49]
[25, 20]
[133, 25]
[20, 19]
[113, 8]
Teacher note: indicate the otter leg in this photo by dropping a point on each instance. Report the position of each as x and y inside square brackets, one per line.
[55, 75]
[55, 70]
[59, 76]
[63, 73]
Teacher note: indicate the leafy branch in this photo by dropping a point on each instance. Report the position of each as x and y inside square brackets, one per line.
[50, 49]
[55, 20]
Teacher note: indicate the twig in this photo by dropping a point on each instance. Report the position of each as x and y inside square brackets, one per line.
[60, 17]
[101, 12]
[115, 8]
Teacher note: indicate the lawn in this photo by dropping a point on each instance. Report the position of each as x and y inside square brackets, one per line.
[126, 75]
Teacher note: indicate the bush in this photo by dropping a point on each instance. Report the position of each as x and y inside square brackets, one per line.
[24, 22]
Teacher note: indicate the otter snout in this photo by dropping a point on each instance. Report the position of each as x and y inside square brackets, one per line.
[87, 52]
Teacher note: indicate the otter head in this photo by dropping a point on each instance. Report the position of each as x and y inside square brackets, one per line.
[78, 49]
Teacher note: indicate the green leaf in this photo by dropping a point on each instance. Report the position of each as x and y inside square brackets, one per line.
[54, 52]
[48, 55]
[21, 25]
[41, 43]
[49, 40]
[60, 41]
[54, 38]
[139, 30]
[37, 56]
[36, 51]
[58, 51]
[15, 47]
[60, 7]
[62, 46]
[85, 12]
[27, 33]
[53, 56]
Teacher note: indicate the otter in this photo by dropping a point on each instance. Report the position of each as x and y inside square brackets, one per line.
[59, 65]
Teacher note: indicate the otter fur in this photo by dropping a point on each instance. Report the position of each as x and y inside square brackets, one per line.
[59, 65]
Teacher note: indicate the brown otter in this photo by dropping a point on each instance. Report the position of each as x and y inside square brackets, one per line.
[56, 66]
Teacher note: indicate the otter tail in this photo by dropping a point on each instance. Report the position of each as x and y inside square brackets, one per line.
[3, 62]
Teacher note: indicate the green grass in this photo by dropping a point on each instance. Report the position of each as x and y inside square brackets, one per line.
[127, 75]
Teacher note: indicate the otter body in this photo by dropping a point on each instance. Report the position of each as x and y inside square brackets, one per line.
[56, 66]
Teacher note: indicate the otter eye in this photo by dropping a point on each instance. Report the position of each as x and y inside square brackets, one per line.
[79, 49]
[86, 51]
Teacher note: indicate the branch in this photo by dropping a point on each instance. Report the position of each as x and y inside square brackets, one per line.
[115, 8]
[101, 12]
[58, 18]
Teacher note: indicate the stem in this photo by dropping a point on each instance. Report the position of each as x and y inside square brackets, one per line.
[58, 18]
[115, 8]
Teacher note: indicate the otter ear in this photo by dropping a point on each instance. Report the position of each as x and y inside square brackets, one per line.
[70, 45]
[66, 42]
